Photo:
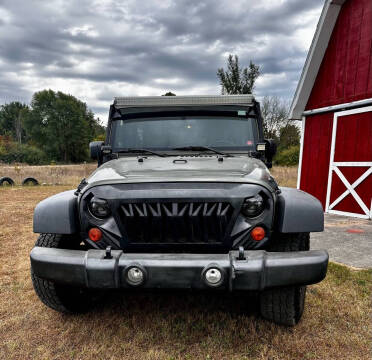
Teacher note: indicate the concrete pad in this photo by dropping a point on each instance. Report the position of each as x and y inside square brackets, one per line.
[348, 240]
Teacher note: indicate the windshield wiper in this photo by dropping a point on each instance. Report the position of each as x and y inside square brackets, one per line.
[140, 151]
[202, 148]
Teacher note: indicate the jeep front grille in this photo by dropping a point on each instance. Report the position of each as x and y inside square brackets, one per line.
[176, 222]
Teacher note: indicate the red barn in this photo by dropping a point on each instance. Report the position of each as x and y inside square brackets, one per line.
[334, 101]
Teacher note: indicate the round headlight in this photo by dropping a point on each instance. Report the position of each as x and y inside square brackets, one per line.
[253, 206]
[99, 207]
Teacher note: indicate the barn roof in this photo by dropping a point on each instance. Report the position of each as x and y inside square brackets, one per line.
[318, 47]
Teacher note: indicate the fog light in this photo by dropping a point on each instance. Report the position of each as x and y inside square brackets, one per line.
[135, 276]
[95, 234]
[213, 276]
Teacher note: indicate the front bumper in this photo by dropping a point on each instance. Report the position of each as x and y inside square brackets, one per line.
[257, 271]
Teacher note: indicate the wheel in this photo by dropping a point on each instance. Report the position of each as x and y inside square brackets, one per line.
[285, 305]
[30, 181]
[7, 180]
[63, 298]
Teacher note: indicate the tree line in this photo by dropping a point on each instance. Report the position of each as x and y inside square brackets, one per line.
[55, 127]
[58, 127]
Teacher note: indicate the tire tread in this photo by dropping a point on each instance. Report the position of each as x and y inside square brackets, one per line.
[62, 299]
[285, 305]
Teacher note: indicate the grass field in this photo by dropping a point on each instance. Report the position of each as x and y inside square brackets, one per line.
[48, 174]
[336, 322]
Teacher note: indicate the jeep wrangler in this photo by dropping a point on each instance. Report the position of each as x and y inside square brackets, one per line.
[182, 198]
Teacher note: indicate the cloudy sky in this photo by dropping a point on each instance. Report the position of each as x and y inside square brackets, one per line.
[98, 49]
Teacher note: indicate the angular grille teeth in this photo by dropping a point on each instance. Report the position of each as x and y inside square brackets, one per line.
[175, 209]
[154, 209]
[183, 209]
[128, 210]
[208, 212]
[176, 222]
[195, 209]
[225, 210]
[167, 211]
[141, 209]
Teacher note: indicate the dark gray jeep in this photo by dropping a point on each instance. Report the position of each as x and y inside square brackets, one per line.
[182, 198]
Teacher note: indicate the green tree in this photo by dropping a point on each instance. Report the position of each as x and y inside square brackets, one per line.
[97, 128]
[61, 125]
[236, 80]
[289, 136]
[11, 120]
[288, 157]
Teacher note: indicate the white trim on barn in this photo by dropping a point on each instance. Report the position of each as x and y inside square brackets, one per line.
[342, 106]
[333, 167]
[315, 56]
[301, 152]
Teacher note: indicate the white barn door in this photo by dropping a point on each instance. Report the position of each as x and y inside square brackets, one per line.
[349, 190]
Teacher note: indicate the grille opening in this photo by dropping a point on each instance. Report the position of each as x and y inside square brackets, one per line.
[176, 222]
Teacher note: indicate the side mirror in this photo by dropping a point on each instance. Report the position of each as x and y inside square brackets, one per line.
[270, 152]
[270, 148]
[95, 149]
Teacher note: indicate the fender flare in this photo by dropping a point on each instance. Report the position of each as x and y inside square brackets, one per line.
[57, 214]
[298, 211]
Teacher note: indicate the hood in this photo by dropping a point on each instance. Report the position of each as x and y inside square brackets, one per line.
[240, 169]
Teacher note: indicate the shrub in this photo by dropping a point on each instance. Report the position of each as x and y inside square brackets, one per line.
[288, 157]
[100, 137]
[22, 153]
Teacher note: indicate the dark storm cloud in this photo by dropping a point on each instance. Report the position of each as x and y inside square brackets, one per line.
[97, 49]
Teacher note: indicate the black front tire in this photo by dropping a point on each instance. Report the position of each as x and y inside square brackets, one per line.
[285, 305]
[62, 298]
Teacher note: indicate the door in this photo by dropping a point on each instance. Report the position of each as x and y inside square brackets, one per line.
[349, 189]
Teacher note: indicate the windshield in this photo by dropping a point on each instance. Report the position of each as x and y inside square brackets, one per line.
[166, 133]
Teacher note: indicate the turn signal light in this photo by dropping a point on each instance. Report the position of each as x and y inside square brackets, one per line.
[95, 234]
[258, 233]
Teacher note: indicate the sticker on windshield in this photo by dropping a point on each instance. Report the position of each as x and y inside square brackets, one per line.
[249, 142]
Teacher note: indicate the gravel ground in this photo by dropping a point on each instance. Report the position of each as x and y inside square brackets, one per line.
[348, 240]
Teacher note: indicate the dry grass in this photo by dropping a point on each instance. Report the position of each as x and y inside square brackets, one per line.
[336, 322]
[49, 174]
[285, 175]
[72, 174]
